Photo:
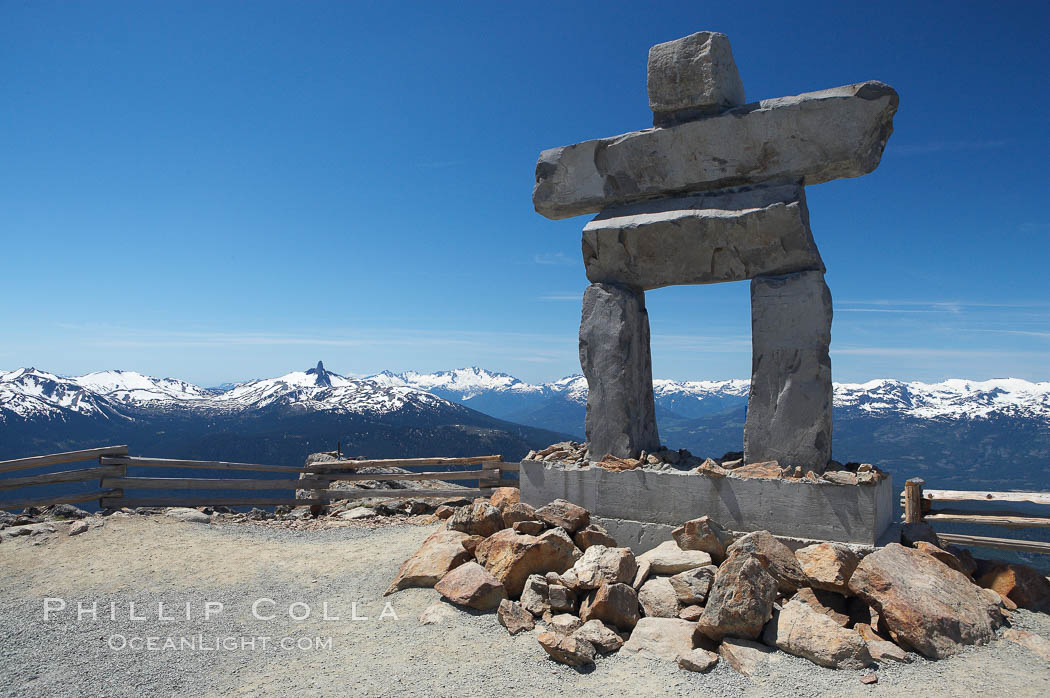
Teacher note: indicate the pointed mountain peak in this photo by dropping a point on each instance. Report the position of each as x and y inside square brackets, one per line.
[323, 377]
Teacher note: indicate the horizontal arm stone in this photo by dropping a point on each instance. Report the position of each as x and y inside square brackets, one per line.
[811, 138]
[703, 239]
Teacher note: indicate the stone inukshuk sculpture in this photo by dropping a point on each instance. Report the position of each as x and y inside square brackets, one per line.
[713, 193]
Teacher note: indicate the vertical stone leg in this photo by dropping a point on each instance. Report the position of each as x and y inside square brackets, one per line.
[789, 407]
[614, 354]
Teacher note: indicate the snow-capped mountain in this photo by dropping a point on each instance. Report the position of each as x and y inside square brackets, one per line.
[135, 388]
[952, 399]
[29, 393]
[950, 431]
[270, 420]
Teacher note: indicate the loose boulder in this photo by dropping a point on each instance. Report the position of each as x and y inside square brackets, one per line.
[502, 497]
[471, 585]
[513, 617]
[593, 535]
[658, 598]
[661, 638]
[749, 658]
[668, 558]
[441, 552]
[613, 604]
[800, 630]
[600, 635]
[564, 514]
[601, 565]
[741, 599]
[518, 511]
[703, 534]
[776, 557]
[692, 586]
[828, 565]
[1019, 583]
[511, 557]
[923, 602]
[697, 659]
[479, 519]
[567, 649]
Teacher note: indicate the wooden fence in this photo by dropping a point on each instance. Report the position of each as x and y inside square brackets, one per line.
[114, 482]
[921, 505]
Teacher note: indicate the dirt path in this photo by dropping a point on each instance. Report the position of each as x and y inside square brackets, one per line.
[151, 560]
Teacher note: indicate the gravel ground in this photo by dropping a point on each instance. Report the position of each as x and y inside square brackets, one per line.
[153, 559]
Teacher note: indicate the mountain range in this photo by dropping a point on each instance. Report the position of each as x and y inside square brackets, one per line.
[956, 433]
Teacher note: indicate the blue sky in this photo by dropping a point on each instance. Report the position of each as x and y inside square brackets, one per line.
[217, 191]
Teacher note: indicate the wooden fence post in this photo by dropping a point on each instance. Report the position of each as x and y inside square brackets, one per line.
[913, 500]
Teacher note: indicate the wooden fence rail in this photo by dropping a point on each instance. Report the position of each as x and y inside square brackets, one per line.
[921, 506]
[316, 479]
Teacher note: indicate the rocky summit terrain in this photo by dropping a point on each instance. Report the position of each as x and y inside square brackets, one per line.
[708, 596]
[441, 644]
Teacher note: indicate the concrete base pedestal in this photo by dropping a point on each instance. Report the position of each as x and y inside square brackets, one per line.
[654, 502]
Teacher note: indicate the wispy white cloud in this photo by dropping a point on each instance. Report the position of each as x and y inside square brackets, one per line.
[553, 258]
[562, 297]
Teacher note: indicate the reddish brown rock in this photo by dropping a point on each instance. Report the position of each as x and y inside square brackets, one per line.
[924, 603]
[776, 557]
[565, 623]
[668, 558]
[534, 596]
[692, 612]
[480, 519]
[711, 469]
[644, 568]
[741, 599]
[441, 551]
[444, 512]
[616, 464]
[530, 528]
[827, 603]
[942, 555]
[519, 511]
[471, 585]
[800, 630]
[1038, 645]
[511, 557]
[697, 659]
[593, 535]
[828, 566]
[658, 599]
[693, 586]
[1019, 583]
[661, 638]
[881, 649]
[703, 534]
[749, 658]
[601, 565]
[513, 617]
[564, 514]
[470, 543]
[567, 649]
[613, 604]
[603, 638]
[502, 497]
[767, 470]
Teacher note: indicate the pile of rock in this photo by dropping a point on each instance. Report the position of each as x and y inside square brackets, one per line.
[574, 454]
[708, 595]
